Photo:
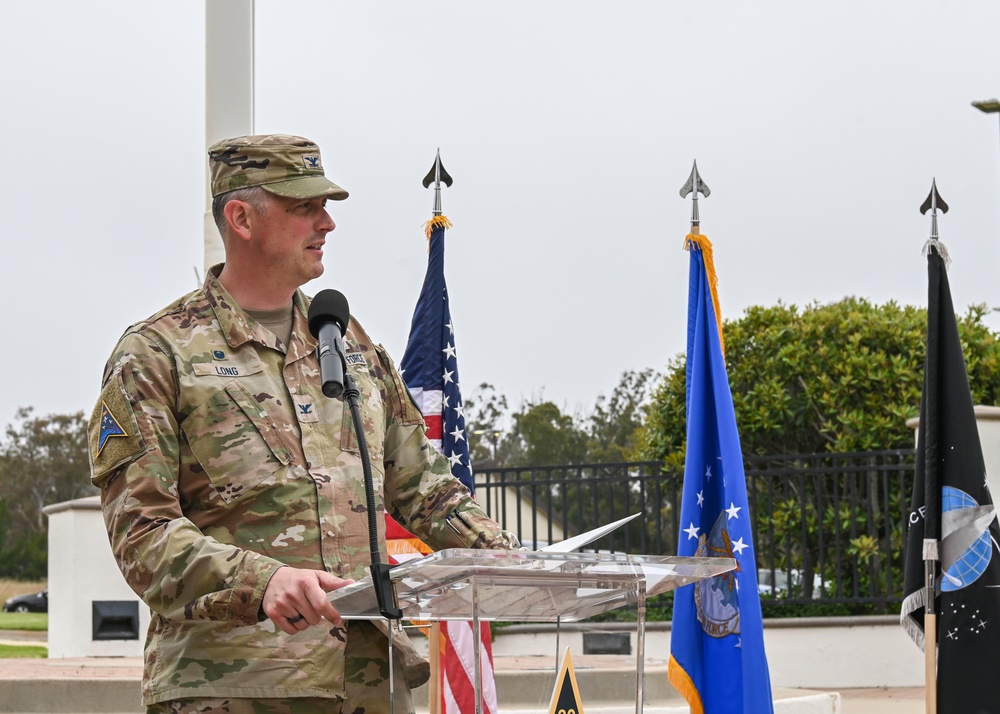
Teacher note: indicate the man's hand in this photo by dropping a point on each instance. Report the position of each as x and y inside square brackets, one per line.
[295, 598]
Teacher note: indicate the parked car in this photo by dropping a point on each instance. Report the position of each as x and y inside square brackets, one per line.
[36, 602]
[779, 588]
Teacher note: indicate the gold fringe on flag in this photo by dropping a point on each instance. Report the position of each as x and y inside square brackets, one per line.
[683, 684]
[702, 243]
[436, 222]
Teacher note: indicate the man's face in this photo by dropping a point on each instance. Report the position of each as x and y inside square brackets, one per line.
[289, 237]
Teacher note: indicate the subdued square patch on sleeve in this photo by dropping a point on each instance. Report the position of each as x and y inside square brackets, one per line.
[405, 411]
[113, 432]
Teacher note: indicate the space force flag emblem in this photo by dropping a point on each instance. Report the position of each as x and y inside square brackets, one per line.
[109, 427]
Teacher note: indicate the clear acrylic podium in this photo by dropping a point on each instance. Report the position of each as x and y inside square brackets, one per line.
[527, 586]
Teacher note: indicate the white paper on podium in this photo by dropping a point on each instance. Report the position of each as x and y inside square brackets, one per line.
[578, 541]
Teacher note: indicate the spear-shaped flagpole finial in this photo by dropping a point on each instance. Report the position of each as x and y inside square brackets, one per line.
[436, 175]
[934, 203]
[933, 531]
[695, 185]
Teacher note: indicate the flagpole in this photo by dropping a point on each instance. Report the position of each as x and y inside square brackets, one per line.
[437, 671]
[932, 485]
[695, 185]
[434, 636]
[439, 640]
[704, 667]
[437, 175]
[696, 241]
[434, 655]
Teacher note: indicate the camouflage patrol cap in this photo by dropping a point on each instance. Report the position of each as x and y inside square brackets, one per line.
[284, 165]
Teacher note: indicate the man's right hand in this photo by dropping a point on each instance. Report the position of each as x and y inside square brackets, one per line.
[295, 598]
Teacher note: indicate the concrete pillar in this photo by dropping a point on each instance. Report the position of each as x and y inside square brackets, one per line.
[988, 424]
[82, 572]
[229, 84]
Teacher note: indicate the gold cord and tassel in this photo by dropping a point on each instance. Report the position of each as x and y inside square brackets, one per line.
[702, 243]
[436, 222]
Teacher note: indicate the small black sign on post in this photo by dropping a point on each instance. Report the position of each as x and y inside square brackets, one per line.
[613, 643]
[115, 619]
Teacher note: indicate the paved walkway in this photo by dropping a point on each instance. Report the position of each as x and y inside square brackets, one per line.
[22, 637]
[120, 671]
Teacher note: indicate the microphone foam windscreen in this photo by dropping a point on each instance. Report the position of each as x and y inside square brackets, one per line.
[329, 305]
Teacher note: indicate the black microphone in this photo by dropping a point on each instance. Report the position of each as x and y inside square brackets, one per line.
[328, 318]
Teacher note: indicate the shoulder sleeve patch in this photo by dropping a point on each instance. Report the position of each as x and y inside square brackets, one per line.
[404, 410]
[113, 433]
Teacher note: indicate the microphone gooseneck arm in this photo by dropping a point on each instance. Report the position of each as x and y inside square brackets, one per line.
[329, 315]
[384, 593]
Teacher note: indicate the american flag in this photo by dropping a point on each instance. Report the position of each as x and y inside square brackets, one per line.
[430, 369]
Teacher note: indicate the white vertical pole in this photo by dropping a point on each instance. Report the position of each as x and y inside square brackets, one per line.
[229, 82]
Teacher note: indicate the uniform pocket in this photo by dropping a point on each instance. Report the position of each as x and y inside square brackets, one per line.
[235, 441]
[372, 414]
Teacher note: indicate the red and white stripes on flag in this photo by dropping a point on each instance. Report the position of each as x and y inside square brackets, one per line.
[429, 402]
[458, 688]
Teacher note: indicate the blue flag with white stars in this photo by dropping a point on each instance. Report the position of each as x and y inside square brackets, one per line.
[430, 364]
[717, 658]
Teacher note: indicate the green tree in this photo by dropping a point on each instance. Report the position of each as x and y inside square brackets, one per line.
[827, 378]
[615, 424]
[486, 419]
[539, 433]
[547, 436]
[43, 460]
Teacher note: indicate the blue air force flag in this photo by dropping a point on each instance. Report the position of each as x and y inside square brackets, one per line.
[717, 658]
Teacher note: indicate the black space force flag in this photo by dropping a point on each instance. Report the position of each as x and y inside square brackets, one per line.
[951, 503]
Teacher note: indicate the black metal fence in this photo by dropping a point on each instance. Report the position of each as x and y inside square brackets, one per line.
[829, 528]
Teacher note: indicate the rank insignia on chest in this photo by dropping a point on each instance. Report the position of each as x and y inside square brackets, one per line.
[305, 408]
[110, 428]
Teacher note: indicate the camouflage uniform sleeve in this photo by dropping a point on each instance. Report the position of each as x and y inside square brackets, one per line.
[134, 454]
[420, 491]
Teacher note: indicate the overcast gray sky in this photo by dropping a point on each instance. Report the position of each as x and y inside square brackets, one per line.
[568, 126]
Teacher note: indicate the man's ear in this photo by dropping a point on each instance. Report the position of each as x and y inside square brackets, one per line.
[239, 217]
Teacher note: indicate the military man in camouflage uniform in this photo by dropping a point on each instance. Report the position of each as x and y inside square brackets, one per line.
[232, 488]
